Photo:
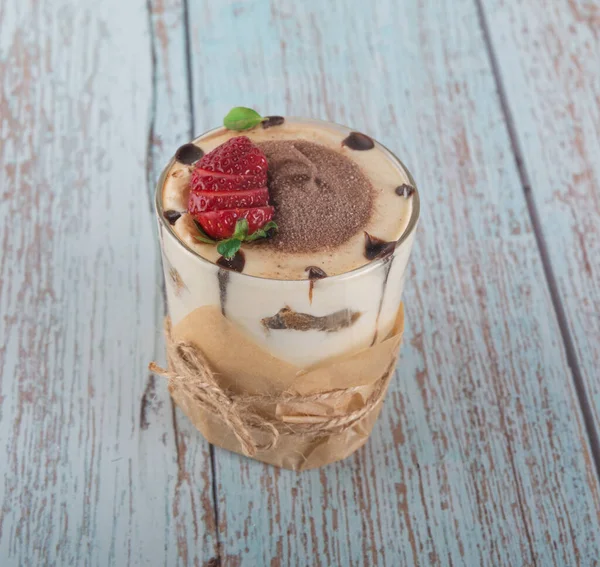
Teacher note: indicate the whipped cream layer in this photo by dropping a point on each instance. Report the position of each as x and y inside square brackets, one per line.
[387, 220]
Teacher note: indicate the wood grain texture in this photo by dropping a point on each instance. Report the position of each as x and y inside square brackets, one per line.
[480, 456]
[549, 59]
[92, 471]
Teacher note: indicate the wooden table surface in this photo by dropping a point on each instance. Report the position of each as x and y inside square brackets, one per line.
[486, 452]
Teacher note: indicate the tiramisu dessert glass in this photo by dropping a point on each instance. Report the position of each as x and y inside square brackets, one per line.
[293, 235]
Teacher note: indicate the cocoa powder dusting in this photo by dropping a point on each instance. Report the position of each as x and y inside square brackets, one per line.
[321, 197]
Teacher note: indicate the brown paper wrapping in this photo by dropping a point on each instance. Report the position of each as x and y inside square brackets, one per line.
[253, 371]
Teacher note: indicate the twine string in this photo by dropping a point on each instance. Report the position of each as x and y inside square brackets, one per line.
[189, 370]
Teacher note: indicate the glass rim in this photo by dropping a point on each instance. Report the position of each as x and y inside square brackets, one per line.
[372, 265]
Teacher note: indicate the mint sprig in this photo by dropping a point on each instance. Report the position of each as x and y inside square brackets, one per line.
[230, 247]
[241, 118]
[263, 232]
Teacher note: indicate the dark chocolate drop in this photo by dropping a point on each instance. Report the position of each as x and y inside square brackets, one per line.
[188, 154]
[405, 190]
[272, 121]
[377, 248]
[315, 273]
[223, 279]
[359, 142]
[236, 263]
[172, 216]
[386, 276]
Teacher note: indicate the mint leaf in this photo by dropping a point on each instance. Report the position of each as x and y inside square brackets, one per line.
[241, 118]
[241, 229]
[262, 232]
[228, 248]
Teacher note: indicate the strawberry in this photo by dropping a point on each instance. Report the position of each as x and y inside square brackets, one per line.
[201, 201]
[229, 198]
[221, 224]
[204, 180]
[237, 156]
[236, 164]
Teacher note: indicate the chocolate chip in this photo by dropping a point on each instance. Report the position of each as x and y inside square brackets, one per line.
[223, 279]
[271, 232]
[272, 121]
[172, 216]
[315, 273]
[189, 154]
[377, 248]
[236, 263]
[359, 142]
[405, 190]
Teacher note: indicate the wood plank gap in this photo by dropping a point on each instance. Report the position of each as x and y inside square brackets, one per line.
[150, 181]
[190, 92]
[571, 355]
[188, 66]
[150, 390]
[176, 434]
[154, 136]
[215, 497]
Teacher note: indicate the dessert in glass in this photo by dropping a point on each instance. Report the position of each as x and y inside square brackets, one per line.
[294, 235]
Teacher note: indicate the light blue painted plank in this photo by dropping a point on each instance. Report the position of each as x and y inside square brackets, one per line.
[89, 476]
[480, 455]
[549, 60]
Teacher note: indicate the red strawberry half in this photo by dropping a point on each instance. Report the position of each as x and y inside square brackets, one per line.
[201, 201]
[237, 156]
[229, 184]
[236, 164]
[204, 180]
[221, 224]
